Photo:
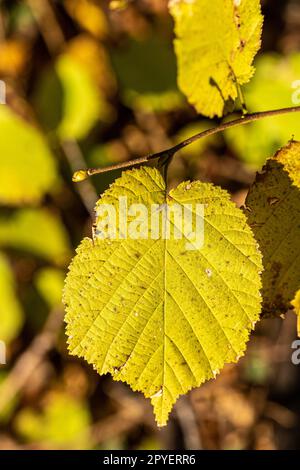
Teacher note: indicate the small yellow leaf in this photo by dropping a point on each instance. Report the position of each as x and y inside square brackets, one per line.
[27, 167]
[215, 44]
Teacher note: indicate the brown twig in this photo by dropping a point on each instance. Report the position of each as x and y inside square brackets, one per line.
[188, 422]
[75, 159]
[44, 15]
[167, 154]
[31, 358]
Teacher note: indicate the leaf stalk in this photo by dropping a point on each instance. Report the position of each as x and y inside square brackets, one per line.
[165, 156]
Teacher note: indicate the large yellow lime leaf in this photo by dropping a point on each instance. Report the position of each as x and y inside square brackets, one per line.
[11, 314]
[151, 312]
[27, 167]
[273, 211]
[215, 44]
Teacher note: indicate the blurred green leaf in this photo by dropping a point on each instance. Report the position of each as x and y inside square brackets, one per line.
[256, 368]
[50, 283]
[63, 421]
[68, 100]
[270, 88]
[11, 315]
[27, 167]
[146, 70]
[37, 231]
[7, 410]
[149, 443]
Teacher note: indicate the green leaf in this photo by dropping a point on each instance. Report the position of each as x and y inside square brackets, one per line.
[215, 44]
[29, 230]
[76, 102]
[27, 168]
[50, 282]
[270, 88]
[151, 312]
[11, 315]
[146, 70]
[63, 422]
[273, 211]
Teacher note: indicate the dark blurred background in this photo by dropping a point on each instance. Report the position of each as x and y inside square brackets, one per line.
[85, 83]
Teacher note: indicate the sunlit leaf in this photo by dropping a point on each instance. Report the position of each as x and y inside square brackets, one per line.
[151, 312]
[273, 211]
[215, 44]
[27, 167]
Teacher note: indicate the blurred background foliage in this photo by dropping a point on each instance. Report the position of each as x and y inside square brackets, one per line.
[94, 83]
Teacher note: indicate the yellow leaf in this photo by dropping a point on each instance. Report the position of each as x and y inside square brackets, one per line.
[215, 44]
[89, 15]
[273, 212]
[27, 167]
[157, 313]
[11, 314]
[37, 231]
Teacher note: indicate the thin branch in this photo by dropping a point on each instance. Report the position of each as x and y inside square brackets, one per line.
[76, 160]
[188, 423]
[31, 358]
[45, 17]
[169, 153]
